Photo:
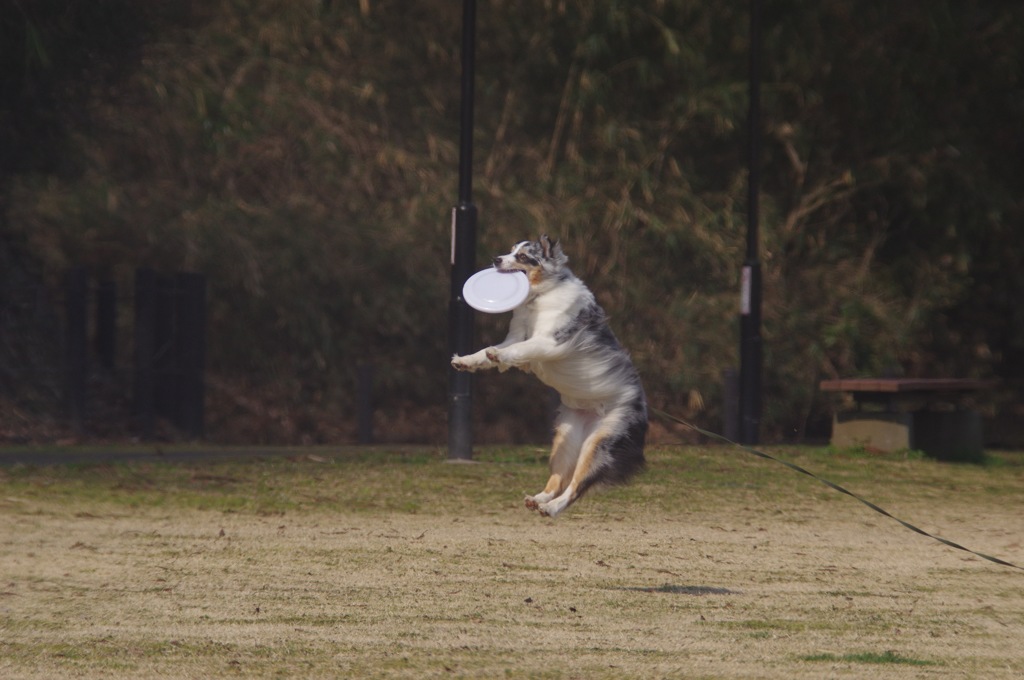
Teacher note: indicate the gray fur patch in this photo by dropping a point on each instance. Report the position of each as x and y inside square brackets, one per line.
[591, 318]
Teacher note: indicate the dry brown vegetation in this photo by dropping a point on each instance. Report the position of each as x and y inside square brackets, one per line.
[304, 156]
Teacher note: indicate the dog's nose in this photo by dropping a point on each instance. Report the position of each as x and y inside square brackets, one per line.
[496, 262]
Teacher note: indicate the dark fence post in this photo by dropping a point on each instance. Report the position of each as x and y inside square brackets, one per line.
[165, 365]
[76, 343]
[364, 403]
[170, 350]
[106, 323]
[144, 391]
[190, 352]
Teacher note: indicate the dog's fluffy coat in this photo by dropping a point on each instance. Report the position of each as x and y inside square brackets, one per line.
[561, 335]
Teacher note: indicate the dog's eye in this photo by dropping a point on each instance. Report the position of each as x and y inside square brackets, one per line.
[525, 259]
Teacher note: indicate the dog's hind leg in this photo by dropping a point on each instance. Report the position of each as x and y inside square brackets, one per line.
[611, 453]
[551, 489]
[585, 467]
[570, 431]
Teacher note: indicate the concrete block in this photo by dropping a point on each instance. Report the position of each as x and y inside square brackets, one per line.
[883, 431]
[945, 435]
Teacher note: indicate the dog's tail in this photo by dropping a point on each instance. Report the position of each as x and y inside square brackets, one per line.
[621, 455]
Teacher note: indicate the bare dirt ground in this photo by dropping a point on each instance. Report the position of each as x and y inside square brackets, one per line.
[772, 582]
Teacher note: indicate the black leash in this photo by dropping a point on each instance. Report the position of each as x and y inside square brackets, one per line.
[797, 468]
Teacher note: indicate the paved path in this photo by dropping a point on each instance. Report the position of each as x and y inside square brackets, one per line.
[73, 455]
[68, 456]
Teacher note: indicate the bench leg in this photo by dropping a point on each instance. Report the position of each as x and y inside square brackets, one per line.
[950, 435]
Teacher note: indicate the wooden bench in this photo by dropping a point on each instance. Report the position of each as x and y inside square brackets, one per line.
[930, 415]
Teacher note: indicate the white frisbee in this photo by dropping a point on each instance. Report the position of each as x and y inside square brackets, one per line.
[495, 292]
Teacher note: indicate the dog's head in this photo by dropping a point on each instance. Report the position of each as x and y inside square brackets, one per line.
[542, 259]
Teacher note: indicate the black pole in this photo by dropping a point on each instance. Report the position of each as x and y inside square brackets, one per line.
[460, 315]
[466, 110]
[750, 294]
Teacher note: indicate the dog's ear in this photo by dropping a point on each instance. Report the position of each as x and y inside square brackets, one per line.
[553, 250]
[545, 246]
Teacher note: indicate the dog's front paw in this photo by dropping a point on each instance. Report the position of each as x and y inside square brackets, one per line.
[472, 362]
[463, 364]
[504, 359]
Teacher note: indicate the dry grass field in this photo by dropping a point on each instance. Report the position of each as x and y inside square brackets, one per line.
[330, 563]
